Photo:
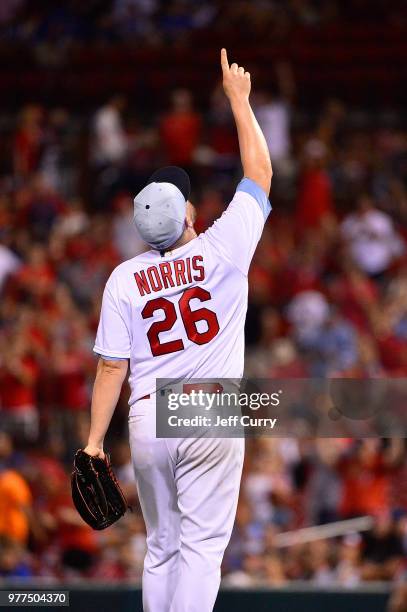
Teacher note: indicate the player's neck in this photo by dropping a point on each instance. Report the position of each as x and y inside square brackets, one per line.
[188, 235]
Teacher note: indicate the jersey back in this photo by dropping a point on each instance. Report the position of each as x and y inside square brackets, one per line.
[182, 315]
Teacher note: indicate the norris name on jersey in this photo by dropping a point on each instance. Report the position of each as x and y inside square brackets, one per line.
[170, 274]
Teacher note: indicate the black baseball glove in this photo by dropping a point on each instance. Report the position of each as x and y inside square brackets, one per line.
[96, 493]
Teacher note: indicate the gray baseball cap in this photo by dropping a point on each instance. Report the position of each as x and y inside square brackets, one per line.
[160, 208]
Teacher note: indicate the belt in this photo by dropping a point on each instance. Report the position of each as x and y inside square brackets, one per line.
[188, 388]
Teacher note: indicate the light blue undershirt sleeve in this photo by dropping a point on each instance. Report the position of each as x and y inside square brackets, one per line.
[253, 189]
[107, 358]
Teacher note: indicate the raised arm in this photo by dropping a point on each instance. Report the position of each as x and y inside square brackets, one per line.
[254, 152]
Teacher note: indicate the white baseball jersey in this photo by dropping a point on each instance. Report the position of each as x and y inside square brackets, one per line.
[182, 315]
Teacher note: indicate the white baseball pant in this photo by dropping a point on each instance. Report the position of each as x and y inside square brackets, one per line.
[188, 490]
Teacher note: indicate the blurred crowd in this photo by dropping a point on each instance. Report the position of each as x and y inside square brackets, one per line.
[328, 298]
[287, 484]
[46, 24]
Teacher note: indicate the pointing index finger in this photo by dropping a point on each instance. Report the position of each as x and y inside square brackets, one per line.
[224, 60]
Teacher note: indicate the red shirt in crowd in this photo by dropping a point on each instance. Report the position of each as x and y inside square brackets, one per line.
[36, 278]
[27, 144]
[393, 354]
[71, 380]
[366, 485]
[71, 536]
[15, 394]
[315, 199]
[354, 296]
[180, 136]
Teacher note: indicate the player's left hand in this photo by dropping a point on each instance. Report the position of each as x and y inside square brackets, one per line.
[94, 451]
[236, 82]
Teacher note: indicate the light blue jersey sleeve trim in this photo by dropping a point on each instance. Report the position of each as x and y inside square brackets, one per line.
[108, 358]
[253, 189]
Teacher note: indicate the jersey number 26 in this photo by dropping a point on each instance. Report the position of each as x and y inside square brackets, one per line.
[189, 318]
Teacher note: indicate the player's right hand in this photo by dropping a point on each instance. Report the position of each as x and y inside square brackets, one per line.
[236, 82]
[94, 451]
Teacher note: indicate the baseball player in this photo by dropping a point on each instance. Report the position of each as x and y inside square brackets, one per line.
[179, 310]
